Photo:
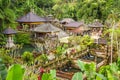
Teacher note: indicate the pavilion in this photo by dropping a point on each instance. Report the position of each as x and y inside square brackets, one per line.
[96, 26]
[45, 30]
[9, 32]
[81, 30]
[31, 20]
[96, 29]
[66, 21]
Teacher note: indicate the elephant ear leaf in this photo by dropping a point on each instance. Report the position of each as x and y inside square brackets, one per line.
[15, 72]
[81, 65]
[77, 76]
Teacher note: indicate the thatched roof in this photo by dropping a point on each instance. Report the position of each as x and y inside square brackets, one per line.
[96, 24]
[62, 34]
[9, 31]
[49, 19]
[31, 17]
[74, 24]
[67, 20]
[46, 28]
[80, 29]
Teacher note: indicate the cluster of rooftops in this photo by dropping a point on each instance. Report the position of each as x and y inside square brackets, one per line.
[43, 24]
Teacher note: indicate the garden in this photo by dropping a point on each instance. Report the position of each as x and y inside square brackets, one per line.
[59, 40]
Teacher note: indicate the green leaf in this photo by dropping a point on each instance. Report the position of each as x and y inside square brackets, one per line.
[100, 77]
[109, 75]
[47, 76]
[53, 74]
[114, 67]
[15, 72]
[77, 76]
[81, 65]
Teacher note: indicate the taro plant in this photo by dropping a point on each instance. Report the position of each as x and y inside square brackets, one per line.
[89, 72]
[107, 72]
[111, 72]
[77, 76]
[15, 72]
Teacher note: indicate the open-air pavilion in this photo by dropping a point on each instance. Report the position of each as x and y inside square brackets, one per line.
[30, 20]
[84, 29]
[73, 25]
[66, 21]
[96, 26]
[96, 29]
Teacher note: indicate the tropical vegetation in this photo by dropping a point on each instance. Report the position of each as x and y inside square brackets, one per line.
[16, 64]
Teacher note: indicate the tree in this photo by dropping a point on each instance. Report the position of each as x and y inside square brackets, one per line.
[64, 8]
[89, 10]
[6, 18]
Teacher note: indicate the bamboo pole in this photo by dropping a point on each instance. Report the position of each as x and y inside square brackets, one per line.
[112, 34]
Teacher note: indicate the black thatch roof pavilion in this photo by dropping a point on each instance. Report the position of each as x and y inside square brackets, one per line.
[80, 29]
[31, 18]
[67, 20]
[46, 28]
[96, 24]
[73, 25]
[9, 31]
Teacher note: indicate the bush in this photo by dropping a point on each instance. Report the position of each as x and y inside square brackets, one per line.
[3, 71]
[27, 57]
[2, 40]
[23, 38]
[5, 57]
